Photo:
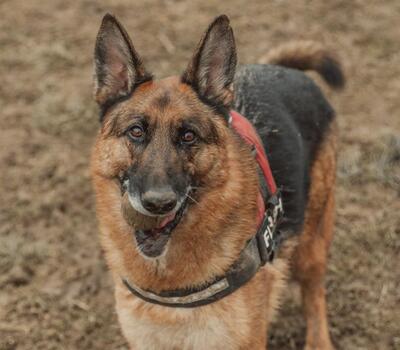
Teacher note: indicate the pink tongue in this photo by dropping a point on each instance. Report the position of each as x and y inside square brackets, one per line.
[166, 220]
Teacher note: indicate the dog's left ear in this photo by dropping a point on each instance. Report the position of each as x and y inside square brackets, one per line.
[118, 67]
[212, 68]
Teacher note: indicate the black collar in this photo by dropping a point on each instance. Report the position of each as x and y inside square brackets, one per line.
[259, 250]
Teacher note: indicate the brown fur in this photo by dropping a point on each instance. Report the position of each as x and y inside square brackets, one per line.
[220, 217]
[308, 55]
[243, 316]
[112, 155]
[305, 55]
[310, 257]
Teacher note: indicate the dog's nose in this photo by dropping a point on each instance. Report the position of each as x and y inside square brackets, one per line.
[159, 202]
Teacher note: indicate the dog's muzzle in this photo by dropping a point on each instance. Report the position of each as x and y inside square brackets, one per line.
[161, 208]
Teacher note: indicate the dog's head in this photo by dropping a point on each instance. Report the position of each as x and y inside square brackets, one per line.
[162, 139]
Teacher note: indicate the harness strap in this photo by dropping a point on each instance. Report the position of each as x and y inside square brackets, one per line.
[240, 273]
[249, 134]
[270, 209]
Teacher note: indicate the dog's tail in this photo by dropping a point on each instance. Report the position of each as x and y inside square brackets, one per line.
[308, 55]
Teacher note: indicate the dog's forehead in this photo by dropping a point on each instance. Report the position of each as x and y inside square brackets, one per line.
[166, 98]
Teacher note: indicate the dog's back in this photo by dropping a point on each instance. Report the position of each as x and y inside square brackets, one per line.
[297, 126]
[291, 115]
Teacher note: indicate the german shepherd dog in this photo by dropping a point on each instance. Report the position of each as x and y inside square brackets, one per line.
[176, 187]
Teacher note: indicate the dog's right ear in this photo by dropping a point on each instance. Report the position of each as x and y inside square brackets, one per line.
[212, 68]
[118, 67]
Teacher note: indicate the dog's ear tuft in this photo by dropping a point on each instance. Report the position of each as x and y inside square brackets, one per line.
[212, 68]
[118, 67]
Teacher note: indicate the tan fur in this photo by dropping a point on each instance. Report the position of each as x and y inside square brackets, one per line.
[239, 321]
[221, 209]
[308, 55]
[232, 184]
[310, 257]
[209, 238]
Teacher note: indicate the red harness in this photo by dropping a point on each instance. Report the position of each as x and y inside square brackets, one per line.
[248, 133]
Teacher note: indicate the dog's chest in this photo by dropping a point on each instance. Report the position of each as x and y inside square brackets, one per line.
[142, 334]
[151, 327]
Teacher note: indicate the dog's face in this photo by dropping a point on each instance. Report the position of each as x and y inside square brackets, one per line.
[164, 139]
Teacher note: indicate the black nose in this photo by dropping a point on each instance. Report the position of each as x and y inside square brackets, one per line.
[159, 201]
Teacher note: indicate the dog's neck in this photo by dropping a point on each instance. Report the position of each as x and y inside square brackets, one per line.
[213, 232]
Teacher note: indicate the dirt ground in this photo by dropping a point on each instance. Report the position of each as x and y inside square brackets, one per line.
[55, 291]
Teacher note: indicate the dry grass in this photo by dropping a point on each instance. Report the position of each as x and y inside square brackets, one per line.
[55, 291]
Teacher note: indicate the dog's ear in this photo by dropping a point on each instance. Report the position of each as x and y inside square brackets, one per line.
[212, 68]
[118, 67]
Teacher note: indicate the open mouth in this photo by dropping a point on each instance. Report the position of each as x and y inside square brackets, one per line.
[152, 242]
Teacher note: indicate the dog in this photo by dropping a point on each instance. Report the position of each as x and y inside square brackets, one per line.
[178, 188]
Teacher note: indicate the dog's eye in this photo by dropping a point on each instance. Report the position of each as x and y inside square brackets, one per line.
[188, 137]
[136, 132]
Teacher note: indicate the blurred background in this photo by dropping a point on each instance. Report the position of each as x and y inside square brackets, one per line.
[55, 291]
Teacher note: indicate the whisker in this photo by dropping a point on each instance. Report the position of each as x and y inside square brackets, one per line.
[190, 197]
[195, 201]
